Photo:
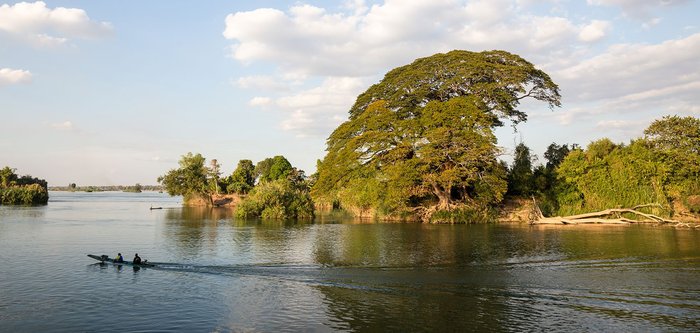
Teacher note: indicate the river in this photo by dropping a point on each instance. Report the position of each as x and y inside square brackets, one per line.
[221, 274]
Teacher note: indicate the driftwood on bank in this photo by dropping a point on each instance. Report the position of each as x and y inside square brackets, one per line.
[607, 216]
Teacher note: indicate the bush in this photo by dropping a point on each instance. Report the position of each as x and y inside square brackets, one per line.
[33, 194]
[278, 199]
[607, 175]
[466, 215]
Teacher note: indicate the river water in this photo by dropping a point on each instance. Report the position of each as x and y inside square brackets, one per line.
[220, 274]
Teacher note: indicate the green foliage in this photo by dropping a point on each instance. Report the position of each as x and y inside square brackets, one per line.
[213, 176]
[277, 199]
[33, 194]
[7, 177]
[423, 137]
[465, 215]
[676, 134]
[555, 154]
[134, 189]
[497, 78]
[189, 180]
[607, 175]
[242, 179]
[520, 176]
[662, 168]
[25, 190]
[273, 168]
[677, 142]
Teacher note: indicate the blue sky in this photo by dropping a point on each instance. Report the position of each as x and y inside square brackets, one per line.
[107, 93]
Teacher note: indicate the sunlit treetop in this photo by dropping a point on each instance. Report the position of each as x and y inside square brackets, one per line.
[499, 78]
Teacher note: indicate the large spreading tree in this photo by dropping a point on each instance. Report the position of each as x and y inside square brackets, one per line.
[422, 141]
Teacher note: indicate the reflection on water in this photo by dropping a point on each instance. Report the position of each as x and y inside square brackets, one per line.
[218, 273]
[406, 277]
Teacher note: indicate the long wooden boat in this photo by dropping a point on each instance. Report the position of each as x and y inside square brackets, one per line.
[105, 259]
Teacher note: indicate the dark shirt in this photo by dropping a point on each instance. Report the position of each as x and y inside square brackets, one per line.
[137, 260]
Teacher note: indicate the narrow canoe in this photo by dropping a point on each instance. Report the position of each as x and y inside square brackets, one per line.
[106, 259]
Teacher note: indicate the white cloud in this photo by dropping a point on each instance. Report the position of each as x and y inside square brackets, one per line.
[318, 110]
[310, 43]
[44, 40]
[594, 31]
[684, 108]
[630, 69]
[644, 81]
[263, 82]
[38, 24]
[65, 126]
[637, 8]
[260, 101]
[619, 129]
[618, 124]
[13, 76]
[364, 42]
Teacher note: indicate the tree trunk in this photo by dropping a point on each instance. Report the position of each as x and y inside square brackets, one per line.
[598, 217]
[442, 195]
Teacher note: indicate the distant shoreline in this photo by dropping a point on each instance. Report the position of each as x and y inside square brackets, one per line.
[107, 188]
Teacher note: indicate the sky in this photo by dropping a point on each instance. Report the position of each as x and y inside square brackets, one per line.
[115, 92]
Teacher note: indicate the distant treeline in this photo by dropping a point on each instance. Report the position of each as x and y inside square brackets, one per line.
[24, 190]
[92, 188]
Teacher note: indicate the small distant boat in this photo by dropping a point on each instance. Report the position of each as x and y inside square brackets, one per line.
[105, 259]
[152, 208]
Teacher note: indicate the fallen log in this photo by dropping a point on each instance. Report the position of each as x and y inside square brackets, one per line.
[599, 217]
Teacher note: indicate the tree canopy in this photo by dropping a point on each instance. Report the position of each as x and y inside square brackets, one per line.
[499, 79]
[273, 168]
[242, 179]
[661, 168]
[520, 176]
[423, 136]
[190, 179]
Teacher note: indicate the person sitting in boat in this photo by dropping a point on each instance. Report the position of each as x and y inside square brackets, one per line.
[137, 259]
[119, 258]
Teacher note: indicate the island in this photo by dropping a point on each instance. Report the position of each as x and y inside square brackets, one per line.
[420, 146]
[24, 190]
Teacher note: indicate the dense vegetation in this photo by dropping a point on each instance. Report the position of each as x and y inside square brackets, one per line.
[25, 190]
[271, 189]
[662, 168]
[420, 143]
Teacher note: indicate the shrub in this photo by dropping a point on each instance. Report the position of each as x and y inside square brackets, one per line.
[278, 199]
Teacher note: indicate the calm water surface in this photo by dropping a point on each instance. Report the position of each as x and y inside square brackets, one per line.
[221, 274]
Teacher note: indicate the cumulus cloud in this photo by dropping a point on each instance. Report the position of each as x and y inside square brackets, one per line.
[622, 128]
[365, 41]
[636, 71]
[312, 41]
[647, 81]
[358, 44]
[639, 9]
[594, 31]
[13, 76]
[37, 23]
[65, 126]
[263, 82]
[318, 110]
[260, 101]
